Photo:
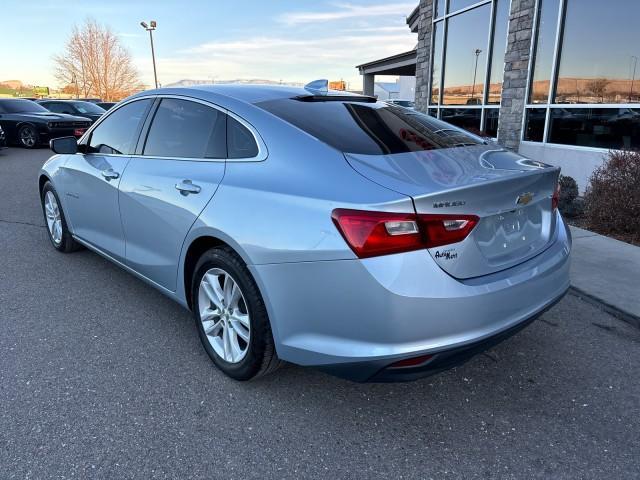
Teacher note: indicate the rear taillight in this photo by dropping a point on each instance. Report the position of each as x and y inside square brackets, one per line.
[378, 233]
[371, 234]
[445, 229]
[555, 199]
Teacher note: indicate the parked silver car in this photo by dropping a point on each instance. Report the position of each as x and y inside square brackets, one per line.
[333, 231]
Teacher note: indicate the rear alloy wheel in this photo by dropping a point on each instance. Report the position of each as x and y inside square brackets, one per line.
[57, 229]
[231, 317]
[224, 315]
[28, 136]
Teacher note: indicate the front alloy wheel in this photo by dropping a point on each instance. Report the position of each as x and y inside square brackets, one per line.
[224, 315]
[54, 220]
[28, 136]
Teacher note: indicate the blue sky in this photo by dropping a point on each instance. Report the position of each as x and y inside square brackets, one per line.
[270, 39]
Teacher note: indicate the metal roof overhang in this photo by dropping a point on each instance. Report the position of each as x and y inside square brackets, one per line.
[403, 64]
[413, 20]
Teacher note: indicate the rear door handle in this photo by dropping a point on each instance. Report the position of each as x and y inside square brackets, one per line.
[185, 187]
[110, 174]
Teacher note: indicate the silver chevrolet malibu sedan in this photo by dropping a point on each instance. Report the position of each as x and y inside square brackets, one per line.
[315, 227]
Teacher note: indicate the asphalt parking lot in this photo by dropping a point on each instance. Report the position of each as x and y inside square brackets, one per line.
[103, 377]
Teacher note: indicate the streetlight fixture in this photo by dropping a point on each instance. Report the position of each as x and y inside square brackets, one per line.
[634, 59]
[477, 53]
[150, 28]
[74, 80]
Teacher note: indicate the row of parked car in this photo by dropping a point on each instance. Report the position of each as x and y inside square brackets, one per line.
[30, 123]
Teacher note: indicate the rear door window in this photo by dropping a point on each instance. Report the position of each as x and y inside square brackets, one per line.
[186, 129]
[57, 107]
[369, 128]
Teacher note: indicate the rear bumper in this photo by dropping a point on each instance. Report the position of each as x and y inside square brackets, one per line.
[384, 371]
[354, 318]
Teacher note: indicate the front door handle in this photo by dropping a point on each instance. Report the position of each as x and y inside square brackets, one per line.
[185, 187]
[109, 174]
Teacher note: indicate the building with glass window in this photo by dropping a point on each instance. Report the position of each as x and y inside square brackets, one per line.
[556, 80]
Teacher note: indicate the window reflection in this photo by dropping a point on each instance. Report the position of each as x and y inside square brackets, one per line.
[455, 5]
[491, 122]
[465, 59]
[439, 8]
[467, 118]
[545, 43]
[600, 66]
[498, 50]
[534, 126]
[600, 127]
[438, 36]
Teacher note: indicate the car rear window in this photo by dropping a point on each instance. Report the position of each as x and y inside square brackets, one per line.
[369, 128]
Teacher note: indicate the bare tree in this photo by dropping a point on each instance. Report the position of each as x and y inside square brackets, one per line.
[96, 63]
[598, 87]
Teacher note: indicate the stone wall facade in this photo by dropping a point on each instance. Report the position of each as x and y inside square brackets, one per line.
[516, 67]
[423, 54]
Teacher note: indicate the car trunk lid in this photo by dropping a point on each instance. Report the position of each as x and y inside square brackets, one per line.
[511, 196]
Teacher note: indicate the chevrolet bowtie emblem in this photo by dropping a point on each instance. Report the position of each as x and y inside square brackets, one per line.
[524, 199]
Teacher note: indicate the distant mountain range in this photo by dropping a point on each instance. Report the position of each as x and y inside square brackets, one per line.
[14, 84]
[251, 81]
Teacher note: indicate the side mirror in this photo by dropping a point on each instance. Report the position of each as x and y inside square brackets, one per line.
[64, 145]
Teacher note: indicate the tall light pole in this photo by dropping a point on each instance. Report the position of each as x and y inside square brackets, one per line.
[150, 28]
[74, 79]
[477, 53]
[633, 77]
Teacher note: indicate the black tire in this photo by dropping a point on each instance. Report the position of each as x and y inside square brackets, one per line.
[66, 244]
[28, 137]
[261, 357]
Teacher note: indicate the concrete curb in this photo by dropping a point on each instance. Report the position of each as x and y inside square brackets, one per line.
[612, 310]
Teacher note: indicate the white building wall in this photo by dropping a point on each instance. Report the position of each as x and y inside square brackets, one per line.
[576, 162]
[407, 88]
[380, 93]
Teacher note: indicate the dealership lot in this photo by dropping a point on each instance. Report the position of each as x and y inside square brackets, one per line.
[103, 377]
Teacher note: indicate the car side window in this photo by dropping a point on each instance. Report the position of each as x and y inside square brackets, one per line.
[56, 107]
[118, 133]
[240, 141]
[186, 129]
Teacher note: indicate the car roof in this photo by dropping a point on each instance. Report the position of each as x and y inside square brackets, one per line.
[254, 93]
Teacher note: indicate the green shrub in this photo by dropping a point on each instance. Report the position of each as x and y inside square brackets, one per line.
[612, 200]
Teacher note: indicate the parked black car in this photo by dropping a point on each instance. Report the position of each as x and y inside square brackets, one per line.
[28, 124]
[3, 139]
[106, 105]
[78, 108]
